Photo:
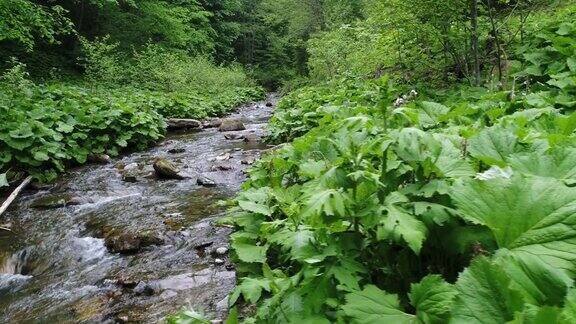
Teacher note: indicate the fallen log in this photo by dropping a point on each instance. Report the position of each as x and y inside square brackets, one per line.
[14, 194]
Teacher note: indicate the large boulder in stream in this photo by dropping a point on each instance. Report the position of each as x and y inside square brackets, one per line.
[165, 169]
[182, 124]
[130, 243]
[231, 124]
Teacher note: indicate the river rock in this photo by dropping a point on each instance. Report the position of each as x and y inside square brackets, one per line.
[130, 243]
[181, 124]
[213, 123]
[177, 150]
[221, 250]
[131, 167]
[269, 104]
[222, 167]
[99, 158]
[165, 169]
[58, 201]
[224, 157]
[249, 160]
[251, 138]
[231, 124]
[218, 261]
[143, 288]
[233, 136]
[205, 181]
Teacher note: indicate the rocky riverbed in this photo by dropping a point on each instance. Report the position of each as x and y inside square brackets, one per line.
[122, 242]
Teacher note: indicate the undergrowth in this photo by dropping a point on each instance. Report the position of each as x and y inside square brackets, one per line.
[456, 210]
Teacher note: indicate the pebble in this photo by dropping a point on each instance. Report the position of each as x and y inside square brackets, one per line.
[221, 250]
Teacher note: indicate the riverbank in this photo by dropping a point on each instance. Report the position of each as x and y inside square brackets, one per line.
[129, 250]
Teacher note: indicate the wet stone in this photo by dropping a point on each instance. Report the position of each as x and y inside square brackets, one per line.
[182, 124]
[221, 250]
[251, 138]
[143, 288]
[231, 124]
[59, 201]
[166, 170]
[234, 136]
[177, 150]
[205, 181]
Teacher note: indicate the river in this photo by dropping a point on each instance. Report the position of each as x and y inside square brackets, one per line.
[111, 250]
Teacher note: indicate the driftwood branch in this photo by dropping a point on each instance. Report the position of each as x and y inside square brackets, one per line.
[14, 194]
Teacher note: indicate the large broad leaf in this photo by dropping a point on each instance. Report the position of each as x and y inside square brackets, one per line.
[400, 225]
[330, 202]
[528, 215]
[432, 298]
[559, 164]
[430, 113]
[540, 283]
[493, 145]
[484, 295]
[373, 305]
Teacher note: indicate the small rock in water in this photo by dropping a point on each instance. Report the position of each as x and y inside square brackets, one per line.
[231, 124]
[205, 181]
[251, 138]
[218, 261]
[129, 178]
[131, 167]
[177, 150]
[221, 250]
[221, 167]
[123, 243]
[223, 157]
[212, 123]
[269, 104]
[234, 136]
[143, 288]
[99, 158]
[58, 201]
[165, 169]
[249, 160]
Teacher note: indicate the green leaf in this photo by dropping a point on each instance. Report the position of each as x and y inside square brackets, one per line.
[528, 215]
[373, 305]
[571, 62]
[560, 163]
[3, 180]
[330, 202]
[493, 145]
[400, 225]
[251, 289]
[432, 298]
[430, 113]
[41, 156]
[64, 128]
[255, 207]
[250, 253]
[484, 296]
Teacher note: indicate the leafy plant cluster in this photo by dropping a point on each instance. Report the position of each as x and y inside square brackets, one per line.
[45, 128]
[462, 211]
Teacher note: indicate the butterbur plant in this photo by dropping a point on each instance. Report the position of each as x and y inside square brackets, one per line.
[421, 213]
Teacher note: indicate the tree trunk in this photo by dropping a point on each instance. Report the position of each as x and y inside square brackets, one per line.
[474, 40]
[496, 41]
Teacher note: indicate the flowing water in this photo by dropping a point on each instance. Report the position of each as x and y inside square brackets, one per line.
[107, 250]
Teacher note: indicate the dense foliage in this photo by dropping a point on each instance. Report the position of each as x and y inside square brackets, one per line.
[97, 76]
[418, 211]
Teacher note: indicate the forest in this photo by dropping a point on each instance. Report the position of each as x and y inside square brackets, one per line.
[419, 166]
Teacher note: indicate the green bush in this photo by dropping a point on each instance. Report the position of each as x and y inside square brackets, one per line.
[427, 212]
[45, 128]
